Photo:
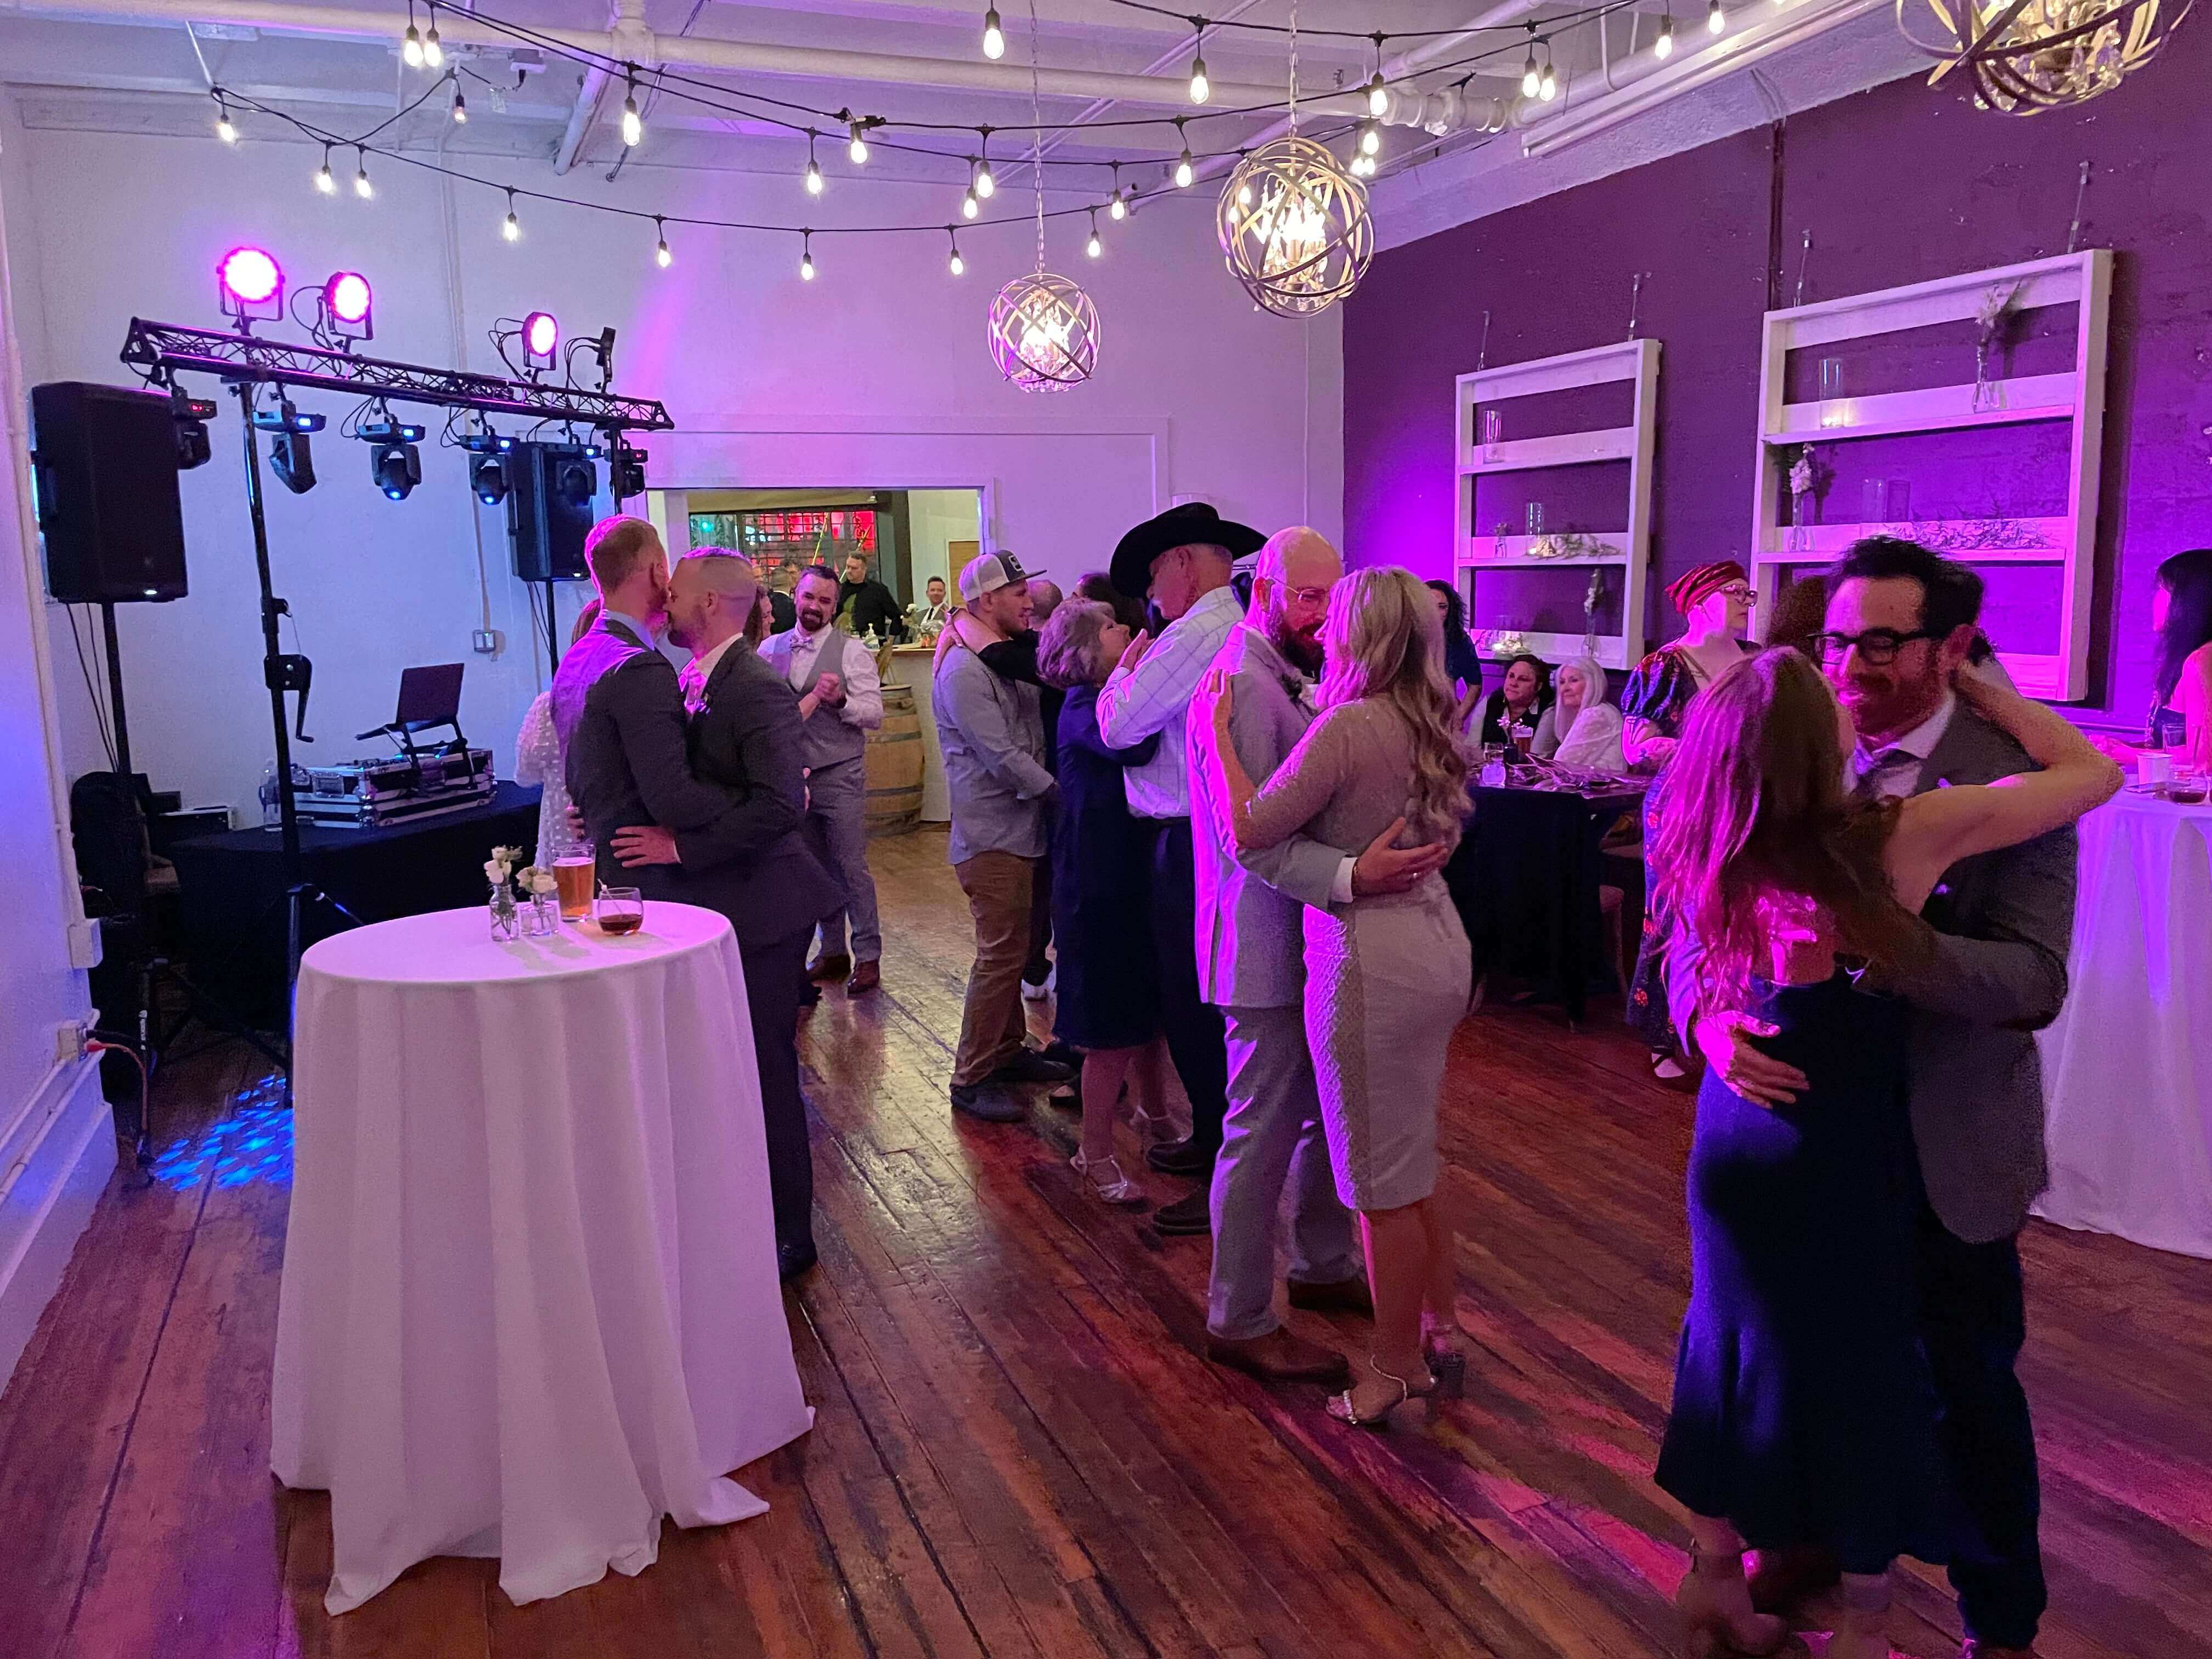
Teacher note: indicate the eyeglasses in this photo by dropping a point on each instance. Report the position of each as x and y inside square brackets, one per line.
[1306, 595]
[1742, 595]
[1877, 647]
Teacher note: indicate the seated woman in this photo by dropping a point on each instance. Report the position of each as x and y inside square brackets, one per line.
[1520, 699]
[1804, 1415]
[2181, 696]
[1462, 662]
[1581, 728]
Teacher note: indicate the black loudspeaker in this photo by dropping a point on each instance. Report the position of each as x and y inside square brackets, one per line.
[549, 510]
[104, 462]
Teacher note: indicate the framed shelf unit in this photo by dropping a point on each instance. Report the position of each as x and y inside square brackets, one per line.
[1475, 550]
[2066, 542]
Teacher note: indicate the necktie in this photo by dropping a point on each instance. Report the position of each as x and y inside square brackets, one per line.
[694, 682]
[1884, 774]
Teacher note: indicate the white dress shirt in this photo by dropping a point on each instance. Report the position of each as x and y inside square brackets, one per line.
[694, 675]
[1155, 697]
[1893, 772]
[795, 655]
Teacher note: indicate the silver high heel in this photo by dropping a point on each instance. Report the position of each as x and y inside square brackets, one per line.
[1106, 1181]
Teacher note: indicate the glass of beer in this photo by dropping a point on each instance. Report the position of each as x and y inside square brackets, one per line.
[573, 870]
[619, 910]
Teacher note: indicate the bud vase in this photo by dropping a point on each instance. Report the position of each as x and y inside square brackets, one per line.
[506, 923]
[544, 920]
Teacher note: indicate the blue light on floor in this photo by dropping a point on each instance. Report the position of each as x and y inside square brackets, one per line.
[251, 1142]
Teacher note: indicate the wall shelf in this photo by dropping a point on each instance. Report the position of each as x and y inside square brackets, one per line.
[2066, 540]
[1474, 550]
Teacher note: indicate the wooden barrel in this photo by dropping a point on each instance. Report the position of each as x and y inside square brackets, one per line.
[895, 765]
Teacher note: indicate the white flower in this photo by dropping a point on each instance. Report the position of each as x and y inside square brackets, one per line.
[542, 882]
[495, 871]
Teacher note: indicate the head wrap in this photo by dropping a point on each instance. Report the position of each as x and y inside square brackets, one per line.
[1685, 590]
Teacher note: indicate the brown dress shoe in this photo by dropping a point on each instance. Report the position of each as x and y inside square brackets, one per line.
[867, 976]
[1345, 1295]
[1279, 1357]
[1783, 1581]
[829, 965]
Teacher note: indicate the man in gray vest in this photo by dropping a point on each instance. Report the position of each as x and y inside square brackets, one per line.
[840, 701]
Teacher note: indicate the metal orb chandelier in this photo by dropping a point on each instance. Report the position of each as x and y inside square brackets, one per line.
[2026, 56]
[1044, 332]
[1295, 228]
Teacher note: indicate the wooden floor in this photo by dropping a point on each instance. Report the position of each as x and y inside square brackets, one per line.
[1017, 1451]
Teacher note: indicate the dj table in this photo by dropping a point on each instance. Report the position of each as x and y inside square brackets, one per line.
[231, 887]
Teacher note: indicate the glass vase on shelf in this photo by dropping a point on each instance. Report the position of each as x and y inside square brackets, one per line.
[506, 917]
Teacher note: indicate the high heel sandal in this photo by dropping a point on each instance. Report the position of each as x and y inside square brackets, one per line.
[1117, 1189]
[1718, 1625]
[1447, 1365]
[1340, 1407]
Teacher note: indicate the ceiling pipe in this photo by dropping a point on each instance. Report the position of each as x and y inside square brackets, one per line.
[685, 51]
[628, 23]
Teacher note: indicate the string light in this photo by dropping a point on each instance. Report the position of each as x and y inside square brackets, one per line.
[460, 107]
[1547, 84]
[661, 252]
[813, 167]
[1200, 87]
[632, 123]
[1094, 247]
[1378, 95]
[957, 266]
[987, 182]
[433, 54]
[968, 203]
[1371, 138]
[223, 128]
[410, 44]
[324, 181]
[806, 256]
[361, 187]
[859, 148]
[994, 48]
[1184, 172]
[513, 228]
[1663, 47]
[1530, 79]
[1115, 208]
[1716, 19]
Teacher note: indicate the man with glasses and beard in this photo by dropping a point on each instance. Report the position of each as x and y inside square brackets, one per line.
[1251, 965]
[1900, 625]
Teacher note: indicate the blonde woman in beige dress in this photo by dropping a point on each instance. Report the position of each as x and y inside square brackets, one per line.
[1386, 977]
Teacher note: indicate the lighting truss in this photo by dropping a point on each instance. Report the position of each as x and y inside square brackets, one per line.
[172, 347]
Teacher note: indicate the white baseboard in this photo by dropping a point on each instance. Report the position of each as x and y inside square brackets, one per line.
[54, 1165]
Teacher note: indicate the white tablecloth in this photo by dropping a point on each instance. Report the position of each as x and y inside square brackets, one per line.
[529, 1302]
[2127, 1065]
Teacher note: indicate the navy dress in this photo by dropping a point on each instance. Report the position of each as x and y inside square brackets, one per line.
[1108, 992]
[1804, 1412]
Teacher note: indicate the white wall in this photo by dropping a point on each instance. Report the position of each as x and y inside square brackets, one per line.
[935, 519]
[875, 372]
[56, 1140]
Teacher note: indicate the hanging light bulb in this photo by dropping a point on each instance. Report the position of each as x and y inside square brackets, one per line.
[223, 129]
[1378, 95]
[324, 181]
[433, 54]
[813, 167]
[1530, 80]
[1716, 19]
[1371, 138]
[968, 203]
[806, 257]
[986, 183]
[1184, 173]
[632, 123]
[512, 230]
[994, 42]
[1094, 247]
[361, 187]
[859, 148]
[1200, 87]
[1116, 207]
[1663, 47]
[460, 107]
[410, 44]
[955, 264]
[1547, 87]
[661, 252]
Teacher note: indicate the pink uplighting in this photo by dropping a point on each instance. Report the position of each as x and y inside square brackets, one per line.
[250, 277]
[348, 296]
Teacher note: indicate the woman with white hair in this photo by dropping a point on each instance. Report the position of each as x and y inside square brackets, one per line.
[1581, 728]
[1385, 975]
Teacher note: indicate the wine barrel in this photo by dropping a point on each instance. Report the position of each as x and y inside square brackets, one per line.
[895, 759]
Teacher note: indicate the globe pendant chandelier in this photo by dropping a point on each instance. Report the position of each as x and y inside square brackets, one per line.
[1044, 329]
[1293, 221]
[2026, 56]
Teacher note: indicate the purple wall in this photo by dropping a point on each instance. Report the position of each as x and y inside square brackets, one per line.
[1897, 186]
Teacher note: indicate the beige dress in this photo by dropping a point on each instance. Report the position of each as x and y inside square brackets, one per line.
[1386, 977]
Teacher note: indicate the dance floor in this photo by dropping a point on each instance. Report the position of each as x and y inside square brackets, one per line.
[1017, 1450]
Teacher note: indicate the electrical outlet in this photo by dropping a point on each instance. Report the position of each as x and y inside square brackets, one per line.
[68, 1039]
[485, 642]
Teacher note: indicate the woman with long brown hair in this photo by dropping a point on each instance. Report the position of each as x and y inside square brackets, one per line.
[1386, 975]
[1803, 1414]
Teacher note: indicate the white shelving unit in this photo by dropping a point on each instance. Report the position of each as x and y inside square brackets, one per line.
[2067, 541]
[1474, 550]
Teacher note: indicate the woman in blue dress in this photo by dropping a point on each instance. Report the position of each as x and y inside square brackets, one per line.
[1803, 1411]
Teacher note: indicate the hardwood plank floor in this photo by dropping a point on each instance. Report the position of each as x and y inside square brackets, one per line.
[1017, 1449]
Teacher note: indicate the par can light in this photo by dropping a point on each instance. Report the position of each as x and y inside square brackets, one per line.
[541, 339]
[250, 285]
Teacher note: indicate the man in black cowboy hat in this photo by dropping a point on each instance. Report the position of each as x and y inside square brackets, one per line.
[1180, 559]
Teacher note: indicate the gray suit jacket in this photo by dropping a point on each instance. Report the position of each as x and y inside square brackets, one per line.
[1251, 944]
[2003, 920]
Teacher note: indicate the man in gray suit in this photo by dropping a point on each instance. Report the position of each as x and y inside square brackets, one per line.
[1900, 622]
[699, 799]
[1251, 965]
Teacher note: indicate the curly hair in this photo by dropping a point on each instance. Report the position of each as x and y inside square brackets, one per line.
[1067, 650]
[1385, 643]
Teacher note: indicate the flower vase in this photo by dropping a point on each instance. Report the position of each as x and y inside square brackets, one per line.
[544, 916]
[1801, 521]
[505, 920]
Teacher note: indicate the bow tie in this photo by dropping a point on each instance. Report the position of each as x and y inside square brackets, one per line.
[693, 679]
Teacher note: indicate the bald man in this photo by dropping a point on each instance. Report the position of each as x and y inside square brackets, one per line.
[742, 736]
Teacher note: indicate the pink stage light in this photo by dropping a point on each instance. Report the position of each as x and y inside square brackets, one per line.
[540, 336]
[251, 283]
[348, 296]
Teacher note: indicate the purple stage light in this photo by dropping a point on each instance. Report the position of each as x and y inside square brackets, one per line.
[348, 296]
[541, 335]
[251, 284]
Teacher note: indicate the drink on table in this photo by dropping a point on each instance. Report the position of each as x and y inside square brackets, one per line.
[1523, 735]
[619, 910]
[573, 870]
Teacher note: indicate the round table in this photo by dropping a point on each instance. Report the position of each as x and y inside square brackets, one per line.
[2129, 1088]
[529, 1302]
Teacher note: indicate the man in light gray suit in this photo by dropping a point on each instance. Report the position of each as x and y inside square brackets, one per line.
[1251, 965]
[1900, 622]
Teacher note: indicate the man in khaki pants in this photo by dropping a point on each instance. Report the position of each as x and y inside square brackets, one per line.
[993, 739]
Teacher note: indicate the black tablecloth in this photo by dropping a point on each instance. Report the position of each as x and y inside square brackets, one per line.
[230, 887]
[1525, 878]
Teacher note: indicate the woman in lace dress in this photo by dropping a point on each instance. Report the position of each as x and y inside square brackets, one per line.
[538, 759]
[1385, 975]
